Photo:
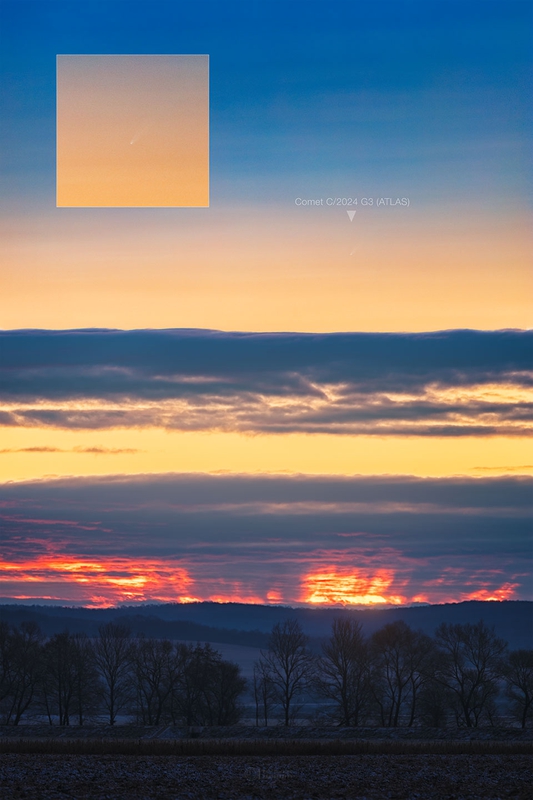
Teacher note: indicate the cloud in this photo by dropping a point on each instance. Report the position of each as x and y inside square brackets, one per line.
[205, 490]
[10, 450]
[506, 468]
[295, 537]
[108, 451]
[450, 383]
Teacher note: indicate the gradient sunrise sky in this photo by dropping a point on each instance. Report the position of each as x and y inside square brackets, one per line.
[132, 131]
[163, 434]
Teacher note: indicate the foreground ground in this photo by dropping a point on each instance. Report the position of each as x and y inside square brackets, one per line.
[370, 777]
[167, 732]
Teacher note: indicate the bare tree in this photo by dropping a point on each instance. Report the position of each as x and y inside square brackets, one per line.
[68, 680]
[263, 690]
[469, 667]
[85, 677]
[402, 663]
[389, 648]
[223, 691]
[58, 676]
[181, 699]
[156, 673]
[343, 673]
[24, 651]
[289, 664]
[421, 660]
[518, 673]
[188, 701]
[6, 666]
[112, 654]
[433, 703]
[207, 689]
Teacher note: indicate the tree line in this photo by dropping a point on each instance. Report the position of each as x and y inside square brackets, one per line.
[72, 678]
[397, 676]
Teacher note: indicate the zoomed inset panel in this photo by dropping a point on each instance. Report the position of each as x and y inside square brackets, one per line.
[133, 130]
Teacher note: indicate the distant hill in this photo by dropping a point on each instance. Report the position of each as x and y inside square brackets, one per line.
[249, 625]
[52, 620]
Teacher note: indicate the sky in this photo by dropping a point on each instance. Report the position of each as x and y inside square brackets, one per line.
[132, 131]
[208, 369]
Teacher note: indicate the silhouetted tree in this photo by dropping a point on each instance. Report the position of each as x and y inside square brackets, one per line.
[156, 673]
[85, 677]
[469, 667]
[401, 661]
[433, 704]
[24, 654]
[6, 667]
[421, 660]
[188, 700]
[112, 655]
[406, 674]
[222, 691]
[207, 689]
[58, 676]
[289, 664]
[390, 650]
[343, 673]
[518, 674]
[264, 692]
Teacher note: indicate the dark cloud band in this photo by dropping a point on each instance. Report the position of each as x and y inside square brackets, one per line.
[352, 383]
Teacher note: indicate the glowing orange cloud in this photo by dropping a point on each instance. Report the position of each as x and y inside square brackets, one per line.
[353, 587]
[236, 598]
[451, 586]
[506, 592]
[102, 581]
[107, 581]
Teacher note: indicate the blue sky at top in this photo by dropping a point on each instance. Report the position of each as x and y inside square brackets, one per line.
[429, 98]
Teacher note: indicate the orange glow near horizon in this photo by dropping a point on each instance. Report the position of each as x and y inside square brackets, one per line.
[356, 587]
[104, 581]
[506, 592]
[236, 598]
[107, 581]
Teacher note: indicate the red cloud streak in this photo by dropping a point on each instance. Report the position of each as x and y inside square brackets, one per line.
[107, 581]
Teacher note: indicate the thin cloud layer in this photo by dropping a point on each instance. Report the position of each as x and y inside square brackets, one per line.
[94, 451]
[450, 383]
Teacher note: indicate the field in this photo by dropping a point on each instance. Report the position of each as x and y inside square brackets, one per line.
[239, 763]
[365, 777]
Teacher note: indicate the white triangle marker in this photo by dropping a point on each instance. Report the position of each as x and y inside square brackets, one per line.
[351, 214]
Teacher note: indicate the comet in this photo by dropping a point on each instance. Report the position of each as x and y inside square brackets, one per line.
[140, 132]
